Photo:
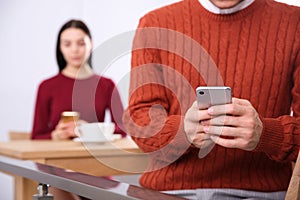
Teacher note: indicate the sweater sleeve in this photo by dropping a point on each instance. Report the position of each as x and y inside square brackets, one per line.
[148, 119]
[280, 138]
[40, 128]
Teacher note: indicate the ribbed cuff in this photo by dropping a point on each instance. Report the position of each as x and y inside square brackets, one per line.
[271, 138]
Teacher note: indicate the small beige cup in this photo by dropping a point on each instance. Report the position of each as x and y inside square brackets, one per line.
[68, 116]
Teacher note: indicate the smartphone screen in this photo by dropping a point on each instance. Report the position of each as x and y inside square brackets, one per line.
[213, 95]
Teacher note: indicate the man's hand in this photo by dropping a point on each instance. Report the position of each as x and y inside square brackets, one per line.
[238, 124]
[193, 128]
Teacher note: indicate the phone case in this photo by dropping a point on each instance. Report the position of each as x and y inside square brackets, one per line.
[213, 95]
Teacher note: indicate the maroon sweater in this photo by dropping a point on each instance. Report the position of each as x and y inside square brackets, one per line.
[256, 53]
[90, 97]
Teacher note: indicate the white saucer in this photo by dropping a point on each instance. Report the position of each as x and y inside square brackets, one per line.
[114, 137]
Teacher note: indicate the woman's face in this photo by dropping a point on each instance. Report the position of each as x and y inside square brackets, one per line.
[75, 46]
[223, 4]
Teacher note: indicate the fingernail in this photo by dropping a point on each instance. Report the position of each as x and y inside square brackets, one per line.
[210, 111]
[203, 122]
[205, 129]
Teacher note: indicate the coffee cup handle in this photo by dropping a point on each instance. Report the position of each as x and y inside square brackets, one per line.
[77, 131]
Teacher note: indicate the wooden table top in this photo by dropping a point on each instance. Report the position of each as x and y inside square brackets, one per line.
[35, 149]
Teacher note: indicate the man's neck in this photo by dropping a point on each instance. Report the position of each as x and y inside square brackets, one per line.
[208, 5]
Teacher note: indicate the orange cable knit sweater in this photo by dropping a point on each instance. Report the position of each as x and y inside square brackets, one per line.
[255, 52]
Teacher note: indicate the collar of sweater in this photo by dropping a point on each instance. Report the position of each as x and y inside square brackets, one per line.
[208, 5]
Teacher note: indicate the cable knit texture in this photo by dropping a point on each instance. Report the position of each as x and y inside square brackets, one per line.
[255, 52]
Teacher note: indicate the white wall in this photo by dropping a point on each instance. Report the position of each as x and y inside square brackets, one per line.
[291, 2]
[28, 31]
[28, 36]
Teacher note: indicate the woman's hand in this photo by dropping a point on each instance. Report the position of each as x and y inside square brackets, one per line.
[64, 130]
[238, 124]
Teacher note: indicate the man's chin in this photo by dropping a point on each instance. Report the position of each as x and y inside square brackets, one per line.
[225, 4]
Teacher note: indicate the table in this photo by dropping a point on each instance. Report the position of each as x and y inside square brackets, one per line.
[99, 159]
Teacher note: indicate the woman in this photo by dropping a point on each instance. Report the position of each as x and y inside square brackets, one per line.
[75, 88]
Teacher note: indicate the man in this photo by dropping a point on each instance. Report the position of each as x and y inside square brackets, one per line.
[235, 151]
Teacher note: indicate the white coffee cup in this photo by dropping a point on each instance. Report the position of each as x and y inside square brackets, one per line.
[95, 132]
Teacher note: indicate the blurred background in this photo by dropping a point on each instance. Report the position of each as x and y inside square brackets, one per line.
[28, 36]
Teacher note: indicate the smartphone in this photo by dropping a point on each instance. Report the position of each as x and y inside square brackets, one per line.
[213, 95]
